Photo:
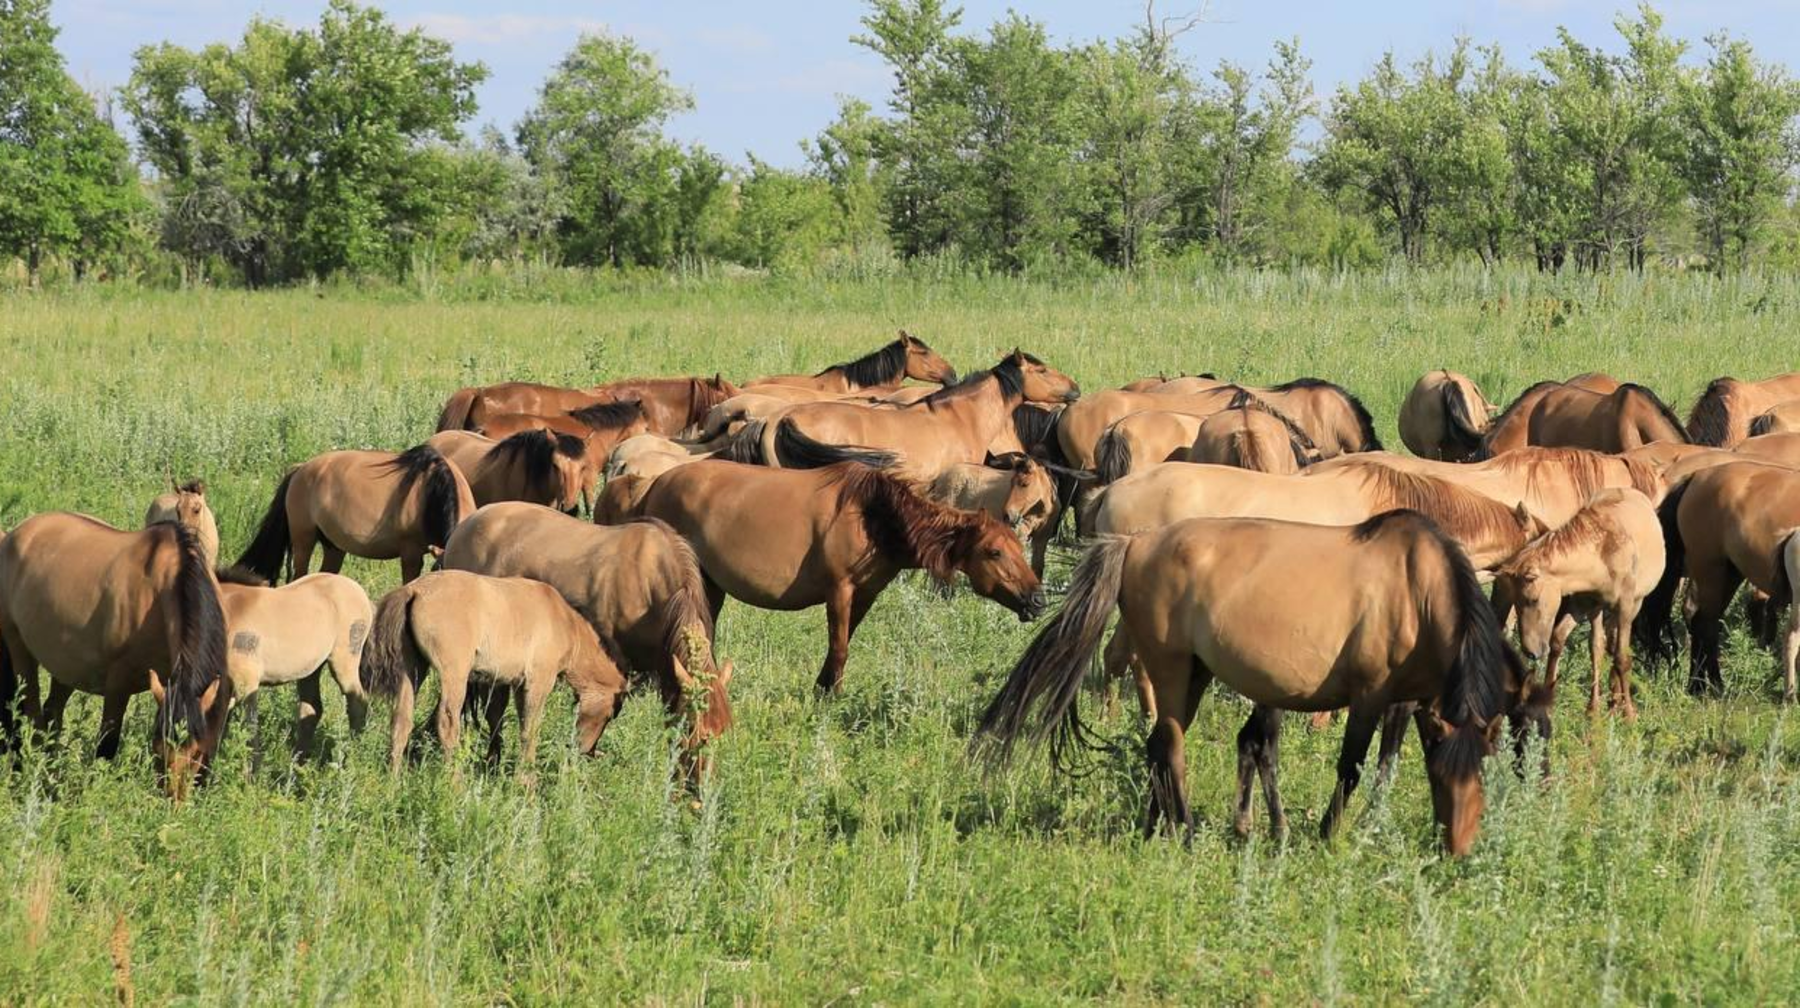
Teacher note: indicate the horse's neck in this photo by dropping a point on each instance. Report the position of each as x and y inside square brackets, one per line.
[980, 414]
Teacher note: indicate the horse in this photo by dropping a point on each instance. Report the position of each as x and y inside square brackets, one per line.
[1143, 439]
[537, 466]
[372, 504]
[1015, 488]
[185, 504]
[1552, 483]
[1444, 417]
[1722, 415]
[1217, 598]
[1569, 417]
[288, 635]
[114, 613]
[1598, 567]
[601, 427]
[618, 500]
[1251, 434]
[1185, 385]
[790, 539]
[955, 425]
[1034, 425]
[1721, 527]
[509, 632]
[638, 585]
[672, 405]
[1083, 424]
[906, 357]
[1781, 418]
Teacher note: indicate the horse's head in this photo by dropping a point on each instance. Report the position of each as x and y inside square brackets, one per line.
[1535, 596]
[709, 700]
[1030, 492]
[1043, 383]
[182, 766]
[185, 504]
[925, 364]
[577, 470]
[1453, 757]
[989, 554]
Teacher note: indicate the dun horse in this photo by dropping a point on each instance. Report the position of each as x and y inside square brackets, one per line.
[1721, 416]
[1253, 435]
[1139, 440]
[883, 369]
[1444, 417]
[1212, 598]
[185, 504]
[673, 405]
[601, 427]
[794, 539]
[515, 634]
[1015, 488]
[534, 466]
[371, 504]
[1564, 416]
[1782, 418]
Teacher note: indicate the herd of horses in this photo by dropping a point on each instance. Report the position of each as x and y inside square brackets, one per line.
[1258, 536]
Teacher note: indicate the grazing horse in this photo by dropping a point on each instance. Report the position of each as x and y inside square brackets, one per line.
[1564, 416]
[601, 427]
[115, 613]
[288, 635]
[1335, 421]
[1083, 425]
[883, 369]
[1225, 599]
[1552, 483]
[1143, 439]
[793, 539]
[1724, 526]
[1598, 567]
[1015, 488]
[1782, 418]
[955, 425]
[1444, 417]
[673, 405]
[535, 466]
[638, 585]
[510, 632]
[185, 504]
[1254, 435]
[1722, 415]
[371, 504]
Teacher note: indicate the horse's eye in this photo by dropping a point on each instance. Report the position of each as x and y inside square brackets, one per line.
[993, 553]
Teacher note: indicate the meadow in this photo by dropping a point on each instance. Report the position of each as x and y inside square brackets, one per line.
[848, 850]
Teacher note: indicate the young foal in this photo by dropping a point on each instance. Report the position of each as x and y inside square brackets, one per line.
[185, 504]
[1014, 488]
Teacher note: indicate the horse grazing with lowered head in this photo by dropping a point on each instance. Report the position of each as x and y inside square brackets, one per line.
[1721, 417]
[1444, 417]
[1251, 434]
[1564, 416]
[535, 466]
[673, 405]
[600, 427]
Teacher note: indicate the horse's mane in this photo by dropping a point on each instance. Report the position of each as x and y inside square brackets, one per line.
[1365, 424]
[704, 394]
[1585, 528]
[534, 452]
[1630, 389]
[1709, 422]
[238, 574]
[879, 367]
[1036, 426]
[1305, 451]
[905, 525]
[1463, 513]
[1008, 373]
[609, 415]
[442, 510]
[1762, 424]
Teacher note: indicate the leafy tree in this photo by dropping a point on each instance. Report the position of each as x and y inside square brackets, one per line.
[845, 156]
[1739, 147]
[66, 183]
[919, 143]
[1130, 102]
[1247, 143]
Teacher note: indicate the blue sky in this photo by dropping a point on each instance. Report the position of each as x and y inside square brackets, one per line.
[766, 73]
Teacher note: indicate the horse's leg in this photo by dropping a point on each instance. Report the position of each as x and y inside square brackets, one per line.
[402, 723]
[346, 668]
[1179, 681]
[1709, 593]
[1597, 627]
[497, 696]
[1258, 750]
[1620, 623]
[532, 695]
[1393, 734]
[302, 537]
[837, 636]
[453, 683]
[1760, 611]
[252, 718]
[306, 715]
[1790, 651]
[1117, 661]
[112, 724]
[50, 719]
[21, 680]
[411, 566]
[715, 597]
[1559, 639]
[331, 560]
[1358, 733]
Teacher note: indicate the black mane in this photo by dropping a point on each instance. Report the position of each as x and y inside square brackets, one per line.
[609, 415]
[880, 367]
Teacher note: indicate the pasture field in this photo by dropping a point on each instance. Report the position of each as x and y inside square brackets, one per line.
[848, 850]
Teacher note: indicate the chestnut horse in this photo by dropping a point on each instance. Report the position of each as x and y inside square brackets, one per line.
[673, 405]
[638, 585]
[883, 369]
[790, 539]
[371, 504]
[1228, 599]
[601, 427]
[1564, 416]
[115, 613]
[1444, 417]
[1721, 416]
[536, 466]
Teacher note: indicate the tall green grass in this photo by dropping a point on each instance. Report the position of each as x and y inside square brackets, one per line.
[848, 850]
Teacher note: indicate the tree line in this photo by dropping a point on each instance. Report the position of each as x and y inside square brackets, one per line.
[340, 149]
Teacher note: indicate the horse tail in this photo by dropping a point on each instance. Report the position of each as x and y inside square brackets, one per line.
[795, 450]
[392, 655]
[1709, 422]
[1112, 457]
[1762, 424]
[1653, 632]
[1040, 694]
[440, 506]
[745, 447]
[270, 544]
[1247, 447]
[197, 644]
[455, 414]
[1461, 432]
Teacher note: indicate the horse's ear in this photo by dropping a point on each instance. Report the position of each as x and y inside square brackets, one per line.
[1523, 516]
[1494, 729]
[210, 695]
[1018, 355]
[156, 689]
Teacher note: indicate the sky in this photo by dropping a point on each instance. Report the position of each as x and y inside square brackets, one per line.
[765, 74]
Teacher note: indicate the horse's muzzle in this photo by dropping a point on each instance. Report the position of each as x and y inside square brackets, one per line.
[1034, 606]
[1071, 395]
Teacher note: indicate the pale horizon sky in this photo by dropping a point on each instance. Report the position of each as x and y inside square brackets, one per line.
[766, 75]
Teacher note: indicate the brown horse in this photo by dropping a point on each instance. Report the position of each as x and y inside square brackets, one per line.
[1015, 488]
[1782, 418]
[185, 504]
[288, 635]
[1724, 526]
[115, 613]
[1254, 435]
[1084, 424]
[601, 427]
[1552, 483]
[1218, 598]
[535, 466]
[794, 539]
[638, 585]
[1564, 416]
[673, 405]
[371, 504]
[955, 425]
[1139, 440]
[1722, 415]
[1444, 417]
[513, 633]
[884, 369]
[1597, 568]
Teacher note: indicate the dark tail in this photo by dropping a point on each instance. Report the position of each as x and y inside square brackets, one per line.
[797, 451]
[391, 655]
[1763, 424]
[199, 650]
[1461, 432]
[440, 504]
[1040, 693]
[745, 446]
[1653, 632]
[1112, 457]
[270, 545]
[1709, 422]
[455, 414]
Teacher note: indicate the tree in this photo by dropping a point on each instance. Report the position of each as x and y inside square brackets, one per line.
[1739, 147]
[66, 183]
[918, 145]
[845, 156]
[1248, 141]
[1129, 104]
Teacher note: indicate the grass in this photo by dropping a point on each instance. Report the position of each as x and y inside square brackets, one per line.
[848, 850]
